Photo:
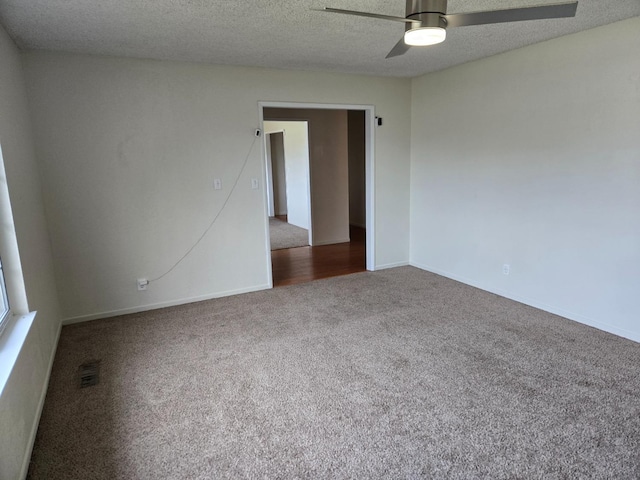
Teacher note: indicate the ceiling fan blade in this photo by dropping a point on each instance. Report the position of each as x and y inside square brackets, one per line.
[555, 10]
[366, 14]
[400, 49]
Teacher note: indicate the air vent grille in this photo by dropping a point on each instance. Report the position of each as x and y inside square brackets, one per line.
[89, 373]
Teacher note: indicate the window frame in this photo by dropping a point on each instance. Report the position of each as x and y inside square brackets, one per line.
[5, 314]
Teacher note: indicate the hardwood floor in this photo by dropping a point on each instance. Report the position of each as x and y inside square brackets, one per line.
[304, 264]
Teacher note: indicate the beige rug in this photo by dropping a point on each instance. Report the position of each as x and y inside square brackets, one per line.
[285, 235]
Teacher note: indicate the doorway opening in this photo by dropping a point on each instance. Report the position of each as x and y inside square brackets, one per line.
[288, 184]
[319, 171]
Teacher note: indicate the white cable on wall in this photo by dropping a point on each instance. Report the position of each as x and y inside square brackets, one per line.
[226, 201]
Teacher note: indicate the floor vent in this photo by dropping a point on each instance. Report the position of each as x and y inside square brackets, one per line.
[89, 373]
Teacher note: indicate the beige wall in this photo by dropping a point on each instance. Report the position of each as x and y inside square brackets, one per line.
[21, 400]
[357, 186]
[532, 158]
[329, 170]
[276, 145]
[129, 150]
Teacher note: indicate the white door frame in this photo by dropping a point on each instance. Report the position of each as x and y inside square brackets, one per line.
[370, 118]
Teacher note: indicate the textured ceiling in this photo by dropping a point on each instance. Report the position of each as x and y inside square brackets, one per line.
[280, 34]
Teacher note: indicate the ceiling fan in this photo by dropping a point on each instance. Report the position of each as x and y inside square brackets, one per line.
[427, 20]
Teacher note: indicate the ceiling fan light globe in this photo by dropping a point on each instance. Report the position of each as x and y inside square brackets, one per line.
[423, 36]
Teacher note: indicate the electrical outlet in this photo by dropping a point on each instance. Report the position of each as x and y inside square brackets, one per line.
[142, 284]
[506, 269]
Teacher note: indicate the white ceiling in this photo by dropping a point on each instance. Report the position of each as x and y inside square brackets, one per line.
[280, 34]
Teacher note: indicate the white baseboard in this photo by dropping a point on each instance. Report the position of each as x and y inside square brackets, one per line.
[386, 266]
[36, 423]
[576, 317]
[155, 306]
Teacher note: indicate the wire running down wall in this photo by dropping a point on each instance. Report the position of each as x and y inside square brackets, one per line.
[129, 150]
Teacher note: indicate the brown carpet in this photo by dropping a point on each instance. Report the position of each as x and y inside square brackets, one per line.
[285, 235]
[393, 374]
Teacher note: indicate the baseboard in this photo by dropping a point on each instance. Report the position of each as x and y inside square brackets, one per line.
[386, 266]
[576, 317]
[331, 242]
[43, 396]
[155, 306]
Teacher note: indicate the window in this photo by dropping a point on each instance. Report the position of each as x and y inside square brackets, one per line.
[15, 323]
[4, 300]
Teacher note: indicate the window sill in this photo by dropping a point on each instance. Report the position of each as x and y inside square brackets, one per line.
[11, 342]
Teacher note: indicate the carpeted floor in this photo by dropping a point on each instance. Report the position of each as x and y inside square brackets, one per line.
[392, 374]
[285, 235]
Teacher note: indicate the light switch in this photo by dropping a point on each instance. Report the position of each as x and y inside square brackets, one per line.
[217, 184]
[254, 183]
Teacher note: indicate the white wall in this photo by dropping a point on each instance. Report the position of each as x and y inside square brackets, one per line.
[21, 400]
[532, 158]
[129, 149]
[296, 153]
